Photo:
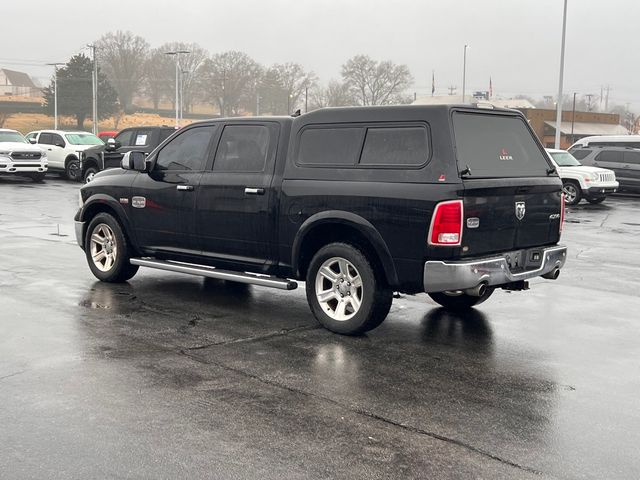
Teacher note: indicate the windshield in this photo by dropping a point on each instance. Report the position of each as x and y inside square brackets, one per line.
[565, 159]
[12, 137]
[83, 139]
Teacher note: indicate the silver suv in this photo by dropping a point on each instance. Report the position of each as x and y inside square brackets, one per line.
[624, 161]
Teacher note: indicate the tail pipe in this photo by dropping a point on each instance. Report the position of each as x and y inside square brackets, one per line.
[552, 275]
[477, 291]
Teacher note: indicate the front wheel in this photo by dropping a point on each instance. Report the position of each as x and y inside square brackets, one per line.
[572, 193]
[460, 300]
[89, 173]
[72, 170]
[595, 201]
[107, 250]
[345, 292]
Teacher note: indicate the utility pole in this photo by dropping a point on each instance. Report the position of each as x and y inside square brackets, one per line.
[224, 91]
[306, 99]
[94, 85]
[55, 93]
[560, 80]
[588, 95]
[606, 99]
[177, 55]
[464, 70]
[573, 116]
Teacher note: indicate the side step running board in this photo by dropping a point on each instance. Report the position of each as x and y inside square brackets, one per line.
[212, 272]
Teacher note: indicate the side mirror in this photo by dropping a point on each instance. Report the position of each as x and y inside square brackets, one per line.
[60, 144]
[134, 161]
[112, 144]
[33, 140]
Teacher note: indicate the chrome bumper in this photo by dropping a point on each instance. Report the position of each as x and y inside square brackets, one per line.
[79, 228]
[440, 276]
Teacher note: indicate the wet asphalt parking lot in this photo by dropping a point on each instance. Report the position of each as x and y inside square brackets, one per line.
[171, 376]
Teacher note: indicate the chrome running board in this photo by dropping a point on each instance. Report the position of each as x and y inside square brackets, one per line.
[212, 272]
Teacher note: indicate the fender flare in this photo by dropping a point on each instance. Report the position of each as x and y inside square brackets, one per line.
[120, 213]
[355, 221]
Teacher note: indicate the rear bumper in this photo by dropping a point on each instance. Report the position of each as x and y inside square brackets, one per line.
[440, 276]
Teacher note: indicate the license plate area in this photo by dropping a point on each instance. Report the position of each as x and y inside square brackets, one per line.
[523, 260]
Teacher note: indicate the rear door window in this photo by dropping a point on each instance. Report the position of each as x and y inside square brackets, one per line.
[242, 148]
[632, 157]
[610, 156]
[396, 146]
[497, 146]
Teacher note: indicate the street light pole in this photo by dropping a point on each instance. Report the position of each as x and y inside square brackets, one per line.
[464, 71]
[177, 55]
[94, 89]
[573, 116]
[559, 102]
[55, 93]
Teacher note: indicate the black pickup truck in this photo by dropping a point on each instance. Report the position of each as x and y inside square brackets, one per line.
[101, 157]
[454, 201]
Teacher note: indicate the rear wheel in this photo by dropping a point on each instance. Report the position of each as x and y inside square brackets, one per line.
[345, 292]
[460, 300]
[107, 250]
[72, 170]
[572, 192]
[595, 201]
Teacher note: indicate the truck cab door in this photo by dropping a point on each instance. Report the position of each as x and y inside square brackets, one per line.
[236, 210]
[163, 200]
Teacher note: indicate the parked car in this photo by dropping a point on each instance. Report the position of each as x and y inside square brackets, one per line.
[107, 134]
[455, 201]
[64, 149]
[18, 157]
[632, 141]
[580, 181]
[101, 157]
[624, 161]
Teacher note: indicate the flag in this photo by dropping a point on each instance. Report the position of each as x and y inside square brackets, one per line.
[433, 83]
[490, 88]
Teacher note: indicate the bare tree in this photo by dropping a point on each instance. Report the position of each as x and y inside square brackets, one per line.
[159, 76]
[376, 83]
[122, 57]
[284, 86]
[335, 94]
[4, 116]
[189, 65]
[228, 80]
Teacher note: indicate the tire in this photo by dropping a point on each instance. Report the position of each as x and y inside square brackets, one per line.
[37, 177]
[596, 201]
[72, 170]
[461, 300]
[89, 173]
[345, 292]
[572, 192]
[107, 250]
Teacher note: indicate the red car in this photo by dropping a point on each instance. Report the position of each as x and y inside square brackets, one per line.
[107, 134]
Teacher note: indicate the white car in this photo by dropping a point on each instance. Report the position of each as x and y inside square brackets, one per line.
[580, 181]
[64, 149]
[18, 157]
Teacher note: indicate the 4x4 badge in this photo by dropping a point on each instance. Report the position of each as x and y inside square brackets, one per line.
[520, 210]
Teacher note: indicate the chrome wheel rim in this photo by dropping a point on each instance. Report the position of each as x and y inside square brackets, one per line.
[339, 288]
[104, 250]
[570, 193]
[90, 177]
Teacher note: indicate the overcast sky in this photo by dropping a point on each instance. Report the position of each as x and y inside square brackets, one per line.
[515, 42]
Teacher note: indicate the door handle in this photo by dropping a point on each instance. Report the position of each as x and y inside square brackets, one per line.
[253, 191]
[185, 188]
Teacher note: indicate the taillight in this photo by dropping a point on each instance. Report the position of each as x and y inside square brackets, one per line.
[561, 211]
[446, 224]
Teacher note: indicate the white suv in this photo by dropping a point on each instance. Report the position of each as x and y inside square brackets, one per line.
[18, 157]
[580, 181]
[64, 149]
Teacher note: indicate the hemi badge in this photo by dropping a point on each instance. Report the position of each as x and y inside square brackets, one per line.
[473, 222]
[124, 201]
